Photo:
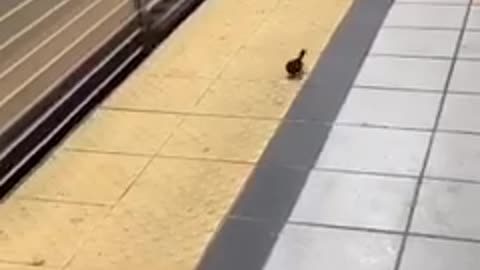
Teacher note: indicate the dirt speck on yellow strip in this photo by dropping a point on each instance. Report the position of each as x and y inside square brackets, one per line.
[146, 180]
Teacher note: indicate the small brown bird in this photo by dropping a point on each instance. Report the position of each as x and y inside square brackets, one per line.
[294, 67]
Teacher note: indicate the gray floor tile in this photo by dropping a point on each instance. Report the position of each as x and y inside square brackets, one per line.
[448, 208]
[399, 72]
[465, 77]
[306, 248]
[374, 150]
[421, 15]
[474, 18]
[455, 156]
[461, 113]
[470, 46]
[390, 108]
[437, 254]
[355, 200]
[416, 42]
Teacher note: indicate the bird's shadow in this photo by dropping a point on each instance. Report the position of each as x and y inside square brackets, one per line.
[298, 76]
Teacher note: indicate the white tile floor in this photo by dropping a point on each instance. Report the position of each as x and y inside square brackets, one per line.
[470, 46]
[448, 209]
[416, 42]
[426, 16]
[465, 77]
[401, 165]
[303, 247]
[474, 19]
[399, 108]
[455, 156]
[370, 201]
[374, 150]
[399, 72]
[438, 254]
[460, 113]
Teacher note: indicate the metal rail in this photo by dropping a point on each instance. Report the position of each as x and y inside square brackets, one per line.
[36, 113]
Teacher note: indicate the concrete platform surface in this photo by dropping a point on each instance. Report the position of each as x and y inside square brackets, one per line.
[146, 181]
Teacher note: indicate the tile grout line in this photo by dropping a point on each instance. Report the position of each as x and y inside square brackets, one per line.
[445, 237]
[45, 199]
[417, 27]
[420, 180]
[229, 161]
[160, 156]
[425, 3]
[462, 93]
[452, 180]
[120, 197]
[396, 175]
[192, 114]
[343, 227]
[359, 172]
[170, 136]
[458, 132]
[410, 56]
[421, 28]
[422, 57]
[469, 58]
[414, 90]
[399, 89]
[382, 231]
[400, 128]
[104, 152]
[378, 126]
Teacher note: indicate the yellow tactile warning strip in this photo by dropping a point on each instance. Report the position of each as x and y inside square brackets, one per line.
[146, 180]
